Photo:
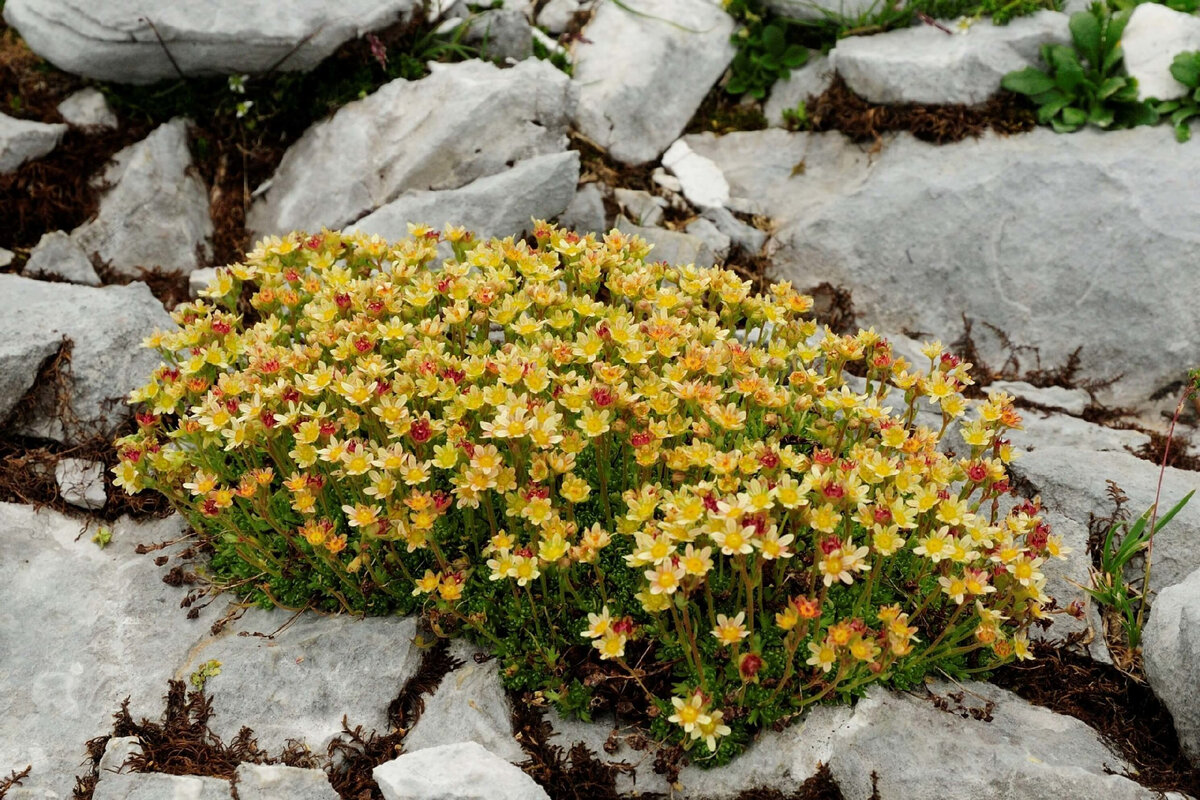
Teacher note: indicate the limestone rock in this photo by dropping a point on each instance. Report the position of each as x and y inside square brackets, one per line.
[468, 706]
[23, 140]
[923, 64]
[301, 681]
[498, 205]
[1072, 401]
[811, 80]
[704, 230]
[556, 15]
[83, 628]
[118, 751]
[88, 108]
[157, 786]
[672, 247]
[902, 745]
[119, 40]
[156, 213]
[462, 122]
[643, 74]
[1171, 652]
[501, 34]
[199, 279]
[6, 257]
[903, 230]
[105, 327]
[462, 771]
[58, 255]
[279, 782]
[641, 207]
[81, 482]
[821, 9]
[1154, 36]
[747, 237]
[585, 213]
[701, 180]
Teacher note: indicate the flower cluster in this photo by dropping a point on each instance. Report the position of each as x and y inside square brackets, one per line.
[571, 450]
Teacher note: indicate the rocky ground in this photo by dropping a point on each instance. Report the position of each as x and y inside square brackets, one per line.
[922, 202]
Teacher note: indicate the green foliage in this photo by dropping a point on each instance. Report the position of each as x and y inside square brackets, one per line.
[1121, 543]
[796, 119]
[769, 45]
[1185, 69]
[209, 669]
[102, 537]
[1184, 6]
[1083, 83]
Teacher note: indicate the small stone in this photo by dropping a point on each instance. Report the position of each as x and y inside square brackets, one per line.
[81, 482]
[1171, 653]
[499, 205]
[747, 237]
[6, 257]
[666, 180]
[822, 9]
[1154, 36]
[58, 255]
[468, 706]
[279, 782]
[672, 247]
[462, 771]
[88, 108]
[585, 213]
[22, 140]
[802, 84]
[116, 753]
[642, 208]
[156, 213]
[703, 183]
[708, 233]
[1072, 401]
[199, 279]
[557, 15]
[643, 72]
[502, 34]
[156, 786]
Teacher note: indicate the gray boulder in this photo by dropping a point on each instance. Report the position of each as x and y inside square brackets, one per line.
[23, 140]
[462, 122]
[157, 786]
[1171, 654]
[923, 64]
[822, 9]
[468, 706]
[142, 41]
[748, 237]
[902, 745]
[276, 678]
[105, 327]
[922, 234]
[88, 108]
[556, 15]
[463, 771]
[700, 180]
[585, 213]
[156, 213]
[57, 255]
[642, 73]
[118, 751]
[279, 782]
[1154, 36]
[672, 247]
[83, 628]
[497, 205]
[501, 34]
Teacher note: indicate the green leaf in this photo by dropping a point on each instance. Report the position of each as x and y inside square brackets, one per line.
[1074, 116]
[1141, 114]
[1110, 86]
[795, 56]
[1049, 110]
[1101, 116]
[1186, 69]
[773, 40]
[1086, 33]
[1028, 81]
[1070, 75]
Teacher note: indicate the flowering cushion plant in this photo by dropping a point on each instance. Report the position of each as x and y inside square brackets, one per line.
[602, 466]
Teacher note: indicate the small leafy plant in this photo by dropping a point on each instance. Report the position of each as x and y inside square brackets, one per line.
[608, 469]
[1185, 69]
[764, 56]
[1083, 83]
[1121, 544]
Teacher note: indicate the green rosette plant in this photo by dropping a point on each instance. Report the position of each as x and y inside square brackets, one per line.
[1083, 83]
[608, 469]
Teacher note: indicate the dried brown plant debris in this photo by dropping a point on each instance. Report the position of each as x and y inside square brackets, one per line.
[840, 109]
[14, 779]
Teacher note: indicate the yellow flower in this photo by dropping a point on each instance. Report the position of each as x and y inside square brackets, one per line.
[428, 583]
[689, 712]
[361, 516]
[594, 423]
[611, 645]
[823, 655]
[712, 730]
[730, 631]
